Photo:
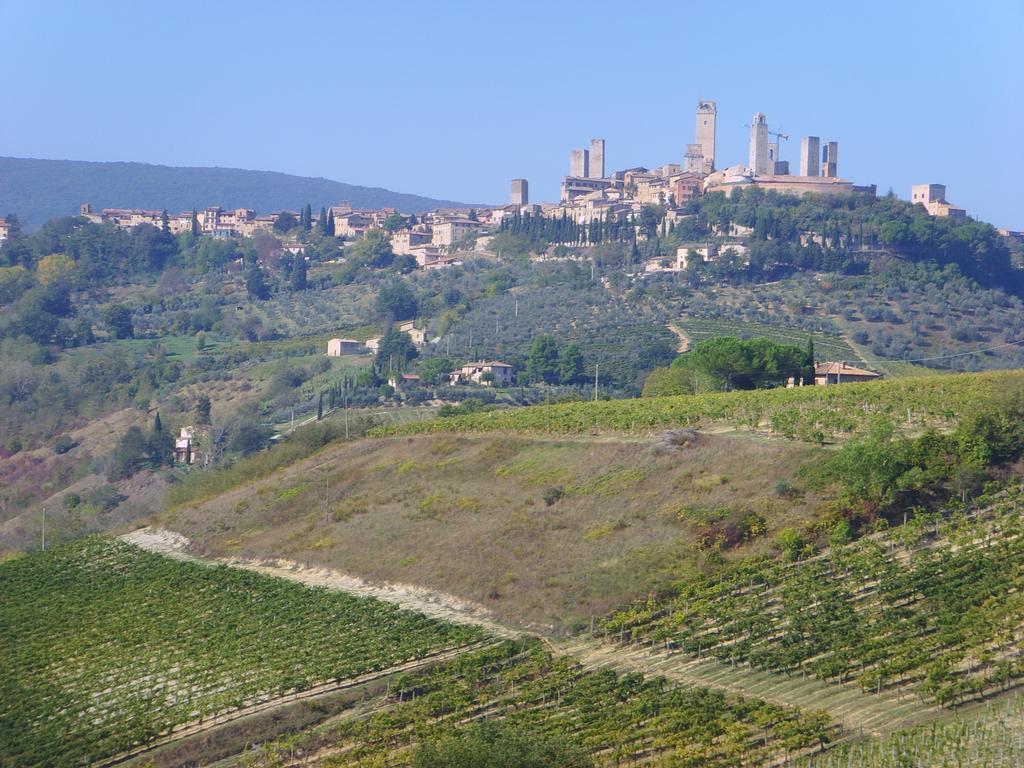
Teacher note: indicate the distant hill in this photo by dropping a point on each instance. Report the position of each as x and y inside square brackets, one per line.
[38, 190]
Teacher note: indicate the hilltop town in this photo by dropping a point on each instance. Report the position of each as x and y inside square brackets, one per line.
[589, 193]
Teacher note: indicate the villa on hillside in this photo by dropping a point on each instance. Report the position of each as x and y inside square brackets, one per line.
[493, 373]
[841, 372]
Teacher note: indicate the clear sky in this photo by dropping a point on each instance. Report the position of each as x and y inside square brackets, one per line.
[452, 99]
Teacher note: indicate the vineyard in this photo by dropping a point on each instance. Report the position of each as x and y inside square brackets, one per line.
[812, 413]
[932, 609]
[993, 740]
[618, 719]
[825, 347]
[104, 646]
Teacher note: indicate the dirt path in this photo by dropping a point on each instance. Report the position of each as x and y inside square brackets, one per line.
[438, 605]
[684, 340]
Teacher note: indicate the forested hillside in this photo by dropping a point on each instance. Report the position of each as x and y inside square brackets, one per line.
[38, 190]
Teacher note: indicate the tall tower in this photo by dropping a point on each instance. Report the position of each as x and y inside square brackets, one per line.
[830, 160]
[596, 169]
[809, 148]
[579, 163]
[707, 112]
[520, 192]
[758, 156]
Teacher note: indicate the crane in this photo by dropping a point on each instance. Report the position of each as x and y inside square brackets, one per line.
[779, 138]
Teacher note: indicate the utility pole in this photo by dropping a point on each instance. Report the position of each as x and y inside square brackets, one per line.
[597, 368]
[346, 406]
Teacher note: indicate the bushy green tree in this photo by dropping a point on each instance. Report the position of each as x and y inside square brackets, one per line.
[285, 222]
[435, 370]
[396, 351]
[396, 302]
[298, 276]
[542, 362]
[570, 365]
[736, 364]
[255, 283]
[372, 250]
[118, 319]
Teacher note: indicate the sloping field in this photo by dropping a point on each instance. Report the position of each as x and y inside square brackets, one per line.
[619, 719]
[104, 647]
[544, 533]
[931, 611]
[813, 413]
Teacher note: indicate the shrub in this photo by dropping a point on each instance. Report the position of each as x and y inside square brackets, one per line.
[553, 494]
[63, 444]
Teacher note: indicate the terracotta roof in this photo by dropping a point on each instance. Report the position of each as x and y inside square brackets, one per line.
[842, 369]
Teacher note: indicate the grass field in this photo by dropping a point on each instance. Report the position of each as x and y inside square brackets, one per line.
[104, 646]
[470, 515]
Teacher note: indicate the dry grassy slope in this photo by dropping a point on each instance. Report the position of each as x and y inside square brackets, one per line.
[467, 515]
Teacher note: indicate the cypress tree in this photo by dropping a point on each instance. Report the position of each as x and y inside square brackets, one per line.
[320, 407]
[323, 220]
[158, 427]
[808, 367]
[165, 223]
[195, 223]
[307, 217]
[330, 223]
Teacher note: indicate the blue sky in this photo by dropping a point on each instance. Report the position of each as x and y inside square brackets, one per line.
[453, 99]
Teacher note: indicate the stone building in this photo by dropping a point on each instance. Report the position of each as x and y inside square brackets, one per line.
[595, 169]
[933, 198]
[810, 146]
[520, 193]
[758, 151]
[579, 163]
[830, 160]
[707, 114]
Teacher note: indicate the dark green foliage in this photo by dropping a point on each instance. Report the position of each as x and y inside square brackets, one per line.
[285, 222]
[542, 363]
[372, 250]
[203, 410]
[883, 471]
[807, 372]
[298, 276]
[727, 363]
[395, 352]
[135, 451]
[118, 319]
[305, 219]
[255, 283]
[435, 370]
[570, 365]
[499, 745]
[248, 438]
[396, 302]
